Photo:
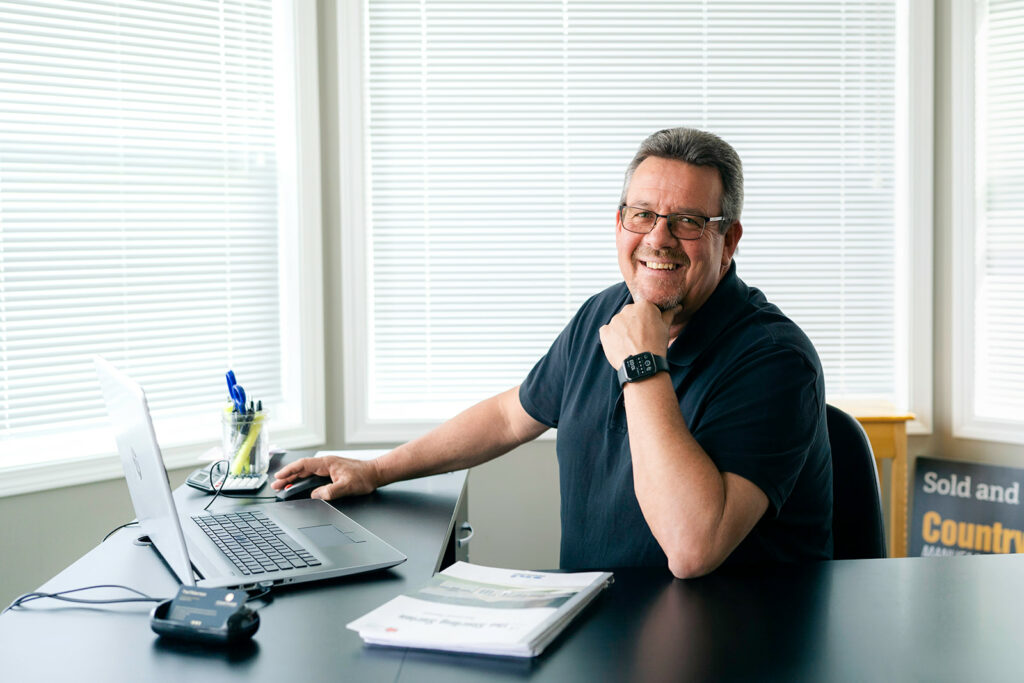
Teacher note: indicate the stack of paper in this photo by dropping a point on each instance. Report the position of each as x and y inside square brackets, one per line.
[469, 608]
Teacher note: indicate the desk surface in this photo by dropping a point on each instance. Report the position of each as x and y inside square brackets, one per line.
[302, 634]
[934, 619]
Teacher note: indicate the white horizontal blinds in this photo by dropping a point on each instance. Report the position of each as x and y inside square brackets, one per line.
[999, 275]
[138, 206]
[499, 133]
[805, 91]
[475, 269]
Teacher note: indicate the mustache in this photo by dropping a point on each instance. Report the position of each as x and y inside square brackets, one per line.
[674, 255]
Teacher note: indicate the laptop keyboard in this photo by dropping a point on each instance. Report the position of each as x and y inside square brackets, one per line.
[254, 543]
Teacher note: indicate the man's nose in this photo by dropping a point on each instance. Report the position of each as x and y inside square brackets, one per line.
[660, 235]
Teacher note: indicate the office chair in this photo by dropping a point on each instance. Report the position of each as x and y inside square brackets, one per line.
[858, 530]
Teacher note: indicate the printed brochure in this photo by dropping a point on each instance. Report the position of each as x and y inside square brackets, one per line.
[484, 610]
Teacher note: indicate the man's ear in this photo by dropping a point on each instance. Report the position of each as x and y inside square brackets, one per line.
[732, 239]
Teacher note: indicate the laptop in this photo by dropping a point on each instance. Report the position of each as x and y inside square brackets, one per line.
[231, 547]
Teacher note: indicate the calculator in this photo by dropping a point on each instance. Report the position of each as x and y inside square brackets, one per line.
[235, 483]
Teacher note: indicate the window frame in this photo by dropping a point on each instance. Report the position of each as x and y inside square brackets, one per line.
[915, 103]
[302, 421]
[966, 207]
[913, 223]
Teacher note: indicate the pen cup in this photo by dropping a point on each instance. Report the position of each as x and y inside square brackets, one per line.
[245, 441]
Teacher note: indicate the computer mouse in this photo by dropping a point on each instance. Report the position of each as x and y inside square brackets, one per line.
[301, 488]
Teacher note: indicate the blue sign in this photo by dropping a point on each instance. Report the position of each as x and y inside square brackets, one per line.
[964, 508]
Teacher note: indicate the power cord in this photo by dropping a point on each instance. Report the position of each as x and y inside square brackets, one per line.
[263, 595]
[19, 601]
[219, 491]
[248, 497]
[218, 488]
[62, 595]
[118, 528]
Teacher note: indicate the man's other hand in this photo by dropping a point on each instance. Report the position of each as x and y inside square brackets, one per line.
[638, 327]
[349, 477]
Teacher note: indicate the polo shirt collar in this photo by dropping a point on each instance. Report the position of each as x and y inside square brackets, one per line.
[710, 320]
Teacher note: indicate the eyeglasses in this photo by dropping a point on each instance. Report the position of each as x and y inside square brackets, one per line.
[684, 226]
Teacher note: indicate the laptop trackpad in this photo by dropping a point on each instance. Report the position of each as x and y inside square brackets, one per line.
[326, 536]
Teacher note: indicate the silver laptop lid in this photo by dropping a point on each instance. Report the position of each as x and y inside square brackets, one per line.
[144, 468]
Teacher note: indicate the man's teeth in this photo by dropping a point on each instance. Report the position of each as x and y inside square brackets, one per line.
[660, 266]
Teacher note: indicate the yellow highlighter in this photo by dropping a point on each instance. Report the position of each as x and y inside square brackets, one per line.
[240, 462]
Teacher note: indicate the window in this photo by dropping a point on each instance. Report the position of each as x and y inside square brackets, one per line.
[989, 220]
[494, 140]
[156, 198]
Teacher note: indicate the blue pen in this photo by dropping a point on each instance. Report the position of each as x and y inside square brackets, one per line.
[238, 395]
[235, 391]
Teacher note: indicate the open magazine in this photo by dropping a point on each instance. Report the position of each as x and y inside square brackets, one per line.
[469, 608]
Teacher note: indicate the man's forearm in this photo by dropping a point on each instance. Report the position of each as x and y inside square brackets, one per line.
[697, 514]
[678, 487]
[478, 434]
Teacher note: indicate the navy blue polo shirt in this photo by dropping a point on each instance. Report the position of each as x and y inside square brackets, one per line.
[751, 390]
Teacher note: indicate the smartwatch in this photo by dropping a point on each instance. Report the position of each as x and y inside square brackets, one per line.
[641, 366]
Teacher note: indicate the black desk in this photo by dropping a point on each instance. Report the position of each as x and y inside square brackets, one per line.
[914, 619]
[302, 634]
[911, 619]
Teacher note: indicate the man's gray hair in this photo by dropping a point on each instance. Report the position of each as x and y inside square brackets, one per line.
[699, 148]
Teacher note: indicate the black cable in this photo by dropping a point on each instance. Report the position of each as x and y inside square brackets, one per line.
[263, 595]
[118, 528]
[218, 488]
[218, 491]
[246, 496]
[259, 596]
[61, 595]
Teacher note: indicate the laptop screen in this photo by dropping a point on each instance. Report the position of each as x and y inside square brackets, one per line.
[144, 468]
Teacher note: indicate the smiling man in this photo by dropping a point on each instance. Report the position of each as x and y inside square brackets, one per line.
[690, 410]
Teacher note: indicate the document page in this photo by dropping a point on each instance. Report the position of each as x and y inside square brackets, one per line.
[469, 608]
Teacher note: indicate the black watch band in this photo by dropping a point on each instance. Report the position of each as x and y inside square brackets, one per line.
[641, 366]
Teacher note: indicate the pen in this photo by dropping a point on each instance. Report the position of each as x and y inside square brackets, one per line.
[252, 451]
[249, 443]
[249, 425]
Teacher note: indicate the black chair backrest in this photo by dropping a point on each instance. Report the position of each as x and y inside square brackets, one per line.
[858, 530]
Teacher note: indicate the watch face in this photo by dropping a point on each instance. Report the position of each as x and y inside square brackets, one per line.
[639, 366]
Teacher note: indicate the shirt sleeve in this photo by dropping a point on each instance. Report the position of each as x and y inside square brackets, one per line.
[763, 419]
[541, 392]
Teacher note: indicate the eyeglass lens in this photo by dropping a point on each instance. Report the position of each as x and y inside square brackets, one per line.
[683, 226]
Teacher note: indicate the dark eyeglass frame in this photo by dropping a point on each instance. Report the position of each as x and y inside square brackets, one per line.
[672, 219]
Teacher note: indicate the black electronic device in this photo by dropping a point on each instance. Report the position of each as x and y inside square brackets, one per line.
[641, 366]
[206, 615]
[302, 488]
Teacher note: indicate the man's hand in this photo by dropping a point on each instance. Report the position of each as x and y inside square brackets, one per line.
[350, 477]
[638, 327]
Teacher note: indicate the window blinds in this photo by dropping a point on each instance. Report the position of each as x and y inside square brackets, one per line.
[999, 236]
[138, 208]
[498, 135]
